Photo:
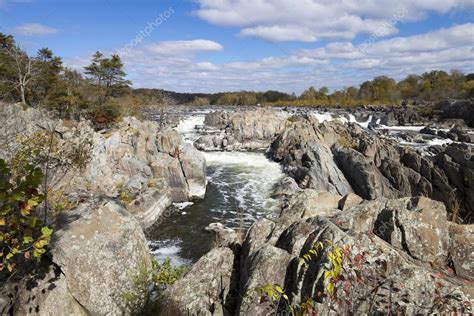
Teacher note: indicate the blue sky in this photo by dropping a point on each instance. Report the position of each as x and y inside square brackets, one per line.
[222, 45]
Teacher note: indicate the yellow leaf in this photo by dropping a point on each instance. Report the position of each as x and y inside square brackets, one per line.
[278, 289]
[2, 221]
[330, 288]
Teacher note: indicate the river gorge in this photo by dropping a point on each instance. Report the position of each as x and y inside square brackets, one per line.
[254, 197]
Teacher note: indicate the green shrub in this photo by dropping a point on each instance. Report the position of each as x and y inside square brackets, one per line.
[105, 114]
[149, 285]
[22, 235]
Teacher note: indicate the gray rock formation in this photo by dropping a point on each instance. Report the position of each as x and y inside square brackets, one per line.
[145, 167]
[243, 130]
[399, 249]
[97, 251]
[344, 158]
[201, 292]
[307, 158]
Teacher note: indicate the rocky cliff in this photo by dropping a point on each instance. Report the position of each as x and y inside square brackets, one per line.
[132, 173]
[346, 158]
[397, 256]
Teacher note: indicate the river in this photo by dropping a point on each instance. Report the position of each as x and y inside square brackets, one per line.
[236, 180]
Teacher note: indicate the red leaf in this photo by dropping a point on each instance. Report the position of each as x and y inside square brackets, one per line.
[439, 275]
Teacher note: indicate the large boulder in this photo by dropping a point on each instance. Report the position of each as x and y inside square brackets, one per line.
[310, 203]
[194, 169]
[364, 176]
[100, 248]
[204, 290]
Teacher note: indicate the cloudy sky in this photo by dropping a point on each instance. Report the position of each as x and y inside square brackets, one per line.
[222, 45]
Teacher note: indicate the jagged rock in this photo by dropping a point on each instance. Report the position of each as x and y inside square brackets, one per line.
[241, 130]
[366, 179]
[267, 265]
[349, 201]
[428, 131]
[386, 243]
[194, 169]
[309, 203]
[223, 236]
[286, 188]
[418, 225]
[460, 109]
[125, 159]
[204, 290]
[135, 185]
[100, 248]
[142, 150]
[462, 136]
[461, 251]
[372, 166]
[149, 206]
[309, 162]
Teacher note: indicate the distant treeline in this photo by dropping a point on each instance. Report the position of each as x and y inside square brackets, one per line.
[102, 94]
[429, 87]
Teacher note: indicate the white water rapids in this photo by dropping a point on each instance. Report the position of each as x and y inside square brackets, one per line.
[236, 181]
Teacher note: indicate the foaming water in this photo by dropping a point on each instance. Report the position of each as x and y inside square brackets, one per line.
[238, 191]
[245, 181]
[187, 127]
[328, 117]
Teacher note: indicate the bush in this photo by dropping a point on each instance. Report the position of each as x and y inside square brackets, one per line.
[106, 114]
[22, 235]
[149, 285]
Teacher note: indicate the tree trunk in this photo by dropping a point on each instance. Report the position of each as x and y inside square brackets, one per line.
[22, 92]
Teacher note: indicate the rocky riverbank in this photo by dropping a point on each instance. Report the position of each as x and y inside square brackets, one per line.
[132, 174]
[398, 255]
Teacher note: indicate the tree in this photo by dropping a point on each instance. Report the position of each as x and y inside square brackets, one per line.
[384, 89]
[410, 87]
[309, 95]
[95, 69]
[49, 67]
[107, 74]
[366, 91]
[20, 69]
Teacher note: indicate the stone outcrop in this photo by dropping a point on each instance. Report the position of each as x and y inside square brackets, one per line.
[97, 251]
[345, 158]
[460, 109]
[140, 149]
[145, 167]
[242, 130]
[305, 156]
[399, 255]
[201, 292]
[134, 172]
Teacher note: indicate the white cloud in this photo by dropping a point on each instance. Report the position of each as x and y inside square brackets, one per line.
[333, 65]
[312, 20]
[33, 29]
[173, 48]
